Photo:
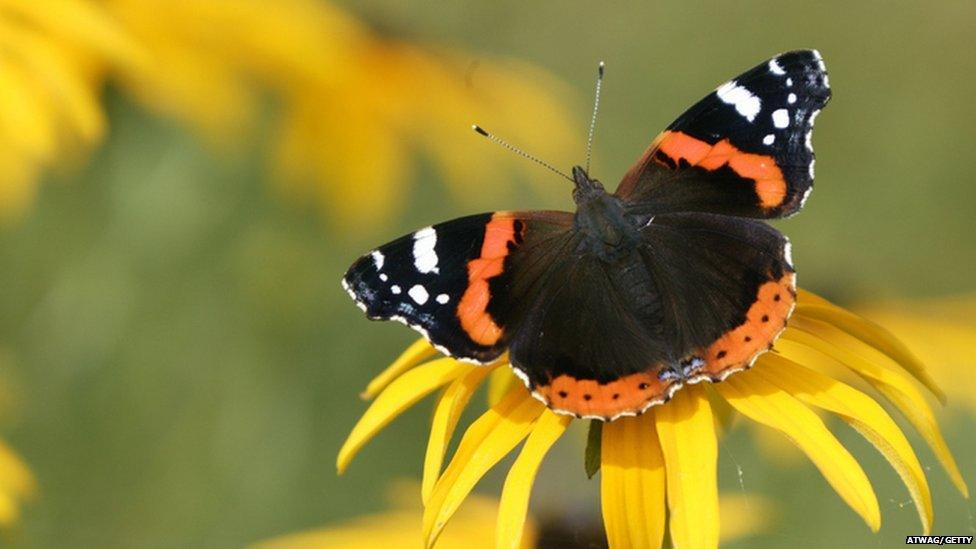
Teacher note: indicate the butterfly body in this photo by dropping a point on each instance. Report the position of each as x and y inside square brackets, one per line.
[672, 279]
[608, 231]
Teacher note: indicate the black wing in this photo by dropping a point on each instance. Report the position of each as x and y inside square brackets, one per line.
[744, 150]
[700, 298]
[445, 281]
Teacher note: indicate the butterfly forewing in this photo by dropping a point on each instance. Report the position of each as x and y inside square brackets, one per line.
[744, 150]
[443, 280]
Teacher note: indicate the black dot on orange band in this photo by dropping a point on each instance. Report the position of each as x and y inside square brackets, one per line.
[587, 397]
[642, 386]
[748, 339]
[616, 396]
[765, 318]
[563, 394]
[721, 354]
[776, 297]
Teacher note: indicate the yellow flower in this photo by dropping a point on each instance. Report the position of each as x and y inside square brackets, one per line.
[392, 528]
[749, 513]
[942, 332]
[355, 106]
[663, 464]
[16, 484]
[50, 58]
[16, 480]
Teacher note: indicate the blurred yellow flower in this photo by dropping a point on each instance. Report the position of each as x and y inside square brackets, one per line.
[50, 58]
[663, 463]
[942, 332]
[16, 480]
[355, 107]
[16, 484]
[396, 527]
[472, 527]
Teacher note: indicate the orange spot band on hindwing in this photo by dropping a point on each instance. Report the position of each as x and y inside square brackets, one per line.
[587, 397]
[765, 320]
[733, 351]
[472, 310]
[770, 184]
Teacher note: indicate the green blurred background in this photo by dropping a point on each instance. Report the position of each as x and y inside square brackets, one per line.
[180, 365]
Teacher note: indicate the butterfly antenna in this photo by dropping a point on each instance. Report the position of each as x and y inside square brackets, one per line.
[596, 108]
[481, 131]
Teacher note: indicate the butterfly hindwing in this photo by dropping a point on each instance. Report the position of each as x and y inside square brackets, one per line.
[438, 280]
[701, 297]
[744, 150]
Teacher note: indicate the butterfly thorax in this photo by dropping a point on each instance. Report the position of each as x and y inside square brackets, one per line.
[609, 232]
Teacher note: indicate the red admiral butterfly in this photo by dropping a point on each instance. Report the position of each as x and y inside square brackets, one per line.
[672, 279]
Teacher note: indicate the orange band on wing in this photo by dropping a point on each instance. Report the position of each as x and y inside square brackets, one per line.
[587, 397]
[735, 350]
[765, 320]
[472, 310]
[769, 182]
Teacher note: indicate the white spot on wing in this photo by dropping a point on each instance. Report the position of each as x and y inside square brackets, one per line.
[378, 259]
[791, 98]
[775, 67]
[443, 298]
[383, 277]
[395, 289]
[781, 118]
[812, 162]
[819, 58]
[747, 104]
[769, 139]
[789, 82]
[419, 294]
[424, 255]
[788, 252]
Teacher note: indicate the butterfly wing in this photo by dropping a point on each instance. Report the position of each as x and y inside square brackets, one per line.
[744, 150]
[447, 281]
[701, 297]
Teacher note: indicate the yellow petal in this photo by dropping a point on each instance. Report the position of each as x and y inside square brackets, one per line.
[806, 297]
[632, 483]
[85, 23]
[500, 383]
[815, 341]
[58, 69]
[19, 185]
[16, 479]
[416, 353]
[446, 415]
[490, 438]
[875, 336]
[471, 528]
[9, 510]
[518, 484]
[862, 413]
[28, 122]
[686, 429]
[724, 414]
[764, 403]
[403, 393]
